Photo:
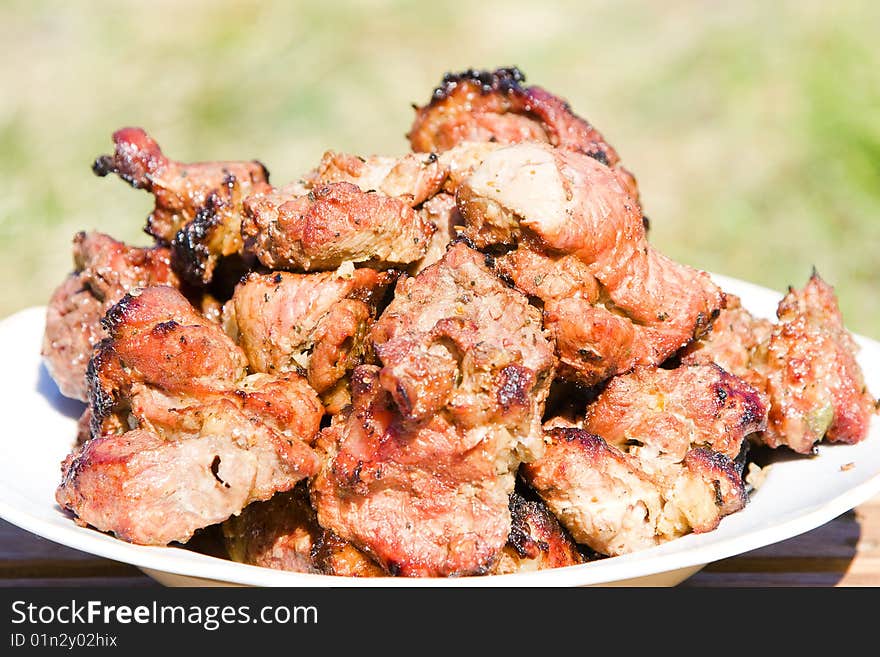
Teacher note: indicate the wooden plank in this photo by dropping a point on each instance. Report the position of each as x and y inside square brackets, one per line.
[94, 567]
[141, 581]
[25, 557]
[843, 552]
[763, 580]
[17, 544]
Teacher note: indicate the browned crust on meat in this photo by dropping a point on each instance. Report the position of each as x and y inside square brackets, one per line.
[495, 106]
[461, 95]
[805, 365]
[671, 411]
[610, 301]
[419, 501]
[609, 501]
[422, 466]
[318, 323]
[105, 270]
[579, 475]
[283, 533]
[332, 224]
[412, 178]
[537, 541]
[719, 472]
[180, 437]
[198, 205]
[457, 317]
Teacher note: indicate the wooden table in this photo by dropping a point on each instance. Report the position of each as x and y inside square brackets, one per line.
[844, 552]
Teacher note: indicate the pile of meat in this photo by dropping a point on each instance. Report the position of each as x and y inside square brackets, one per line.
[466, 360]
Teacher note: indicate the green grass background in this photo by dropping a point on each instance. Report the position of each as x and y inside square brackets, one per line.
[753, 128]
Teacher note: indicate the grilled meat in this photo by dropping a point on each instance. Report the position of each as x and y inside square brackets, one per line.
[537, 541]
[317, 322]
[181, 437]
[283, 533]
[598, 494]
[104, 271]
[530, 291]
[198, 205]
[495, 106]
[456, 339]
[413, 177]
[332, 224]
[593, 342]
[441, 212]
[562, 203]
[734, 344]
[659, 415]
[419, 471]
[654, 457]
[805, 365]
[607, 501]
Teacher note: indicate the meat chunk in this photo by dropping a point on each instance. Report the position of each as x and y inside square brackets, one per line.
[607, 501]
[562, 203]
[317, 322]
[495, 106]
[600, 495]
[105, 270]
[659, 415]
[805, 365]
[655, 457]
[593, 342]
[537, 541]
[441, 212]
[734, 343]
[181, 437]
[426, 181]
[420, 470]
[414, 177]
[198, 205]
[455, 338]
[283, 533]
[421, 501]
[332, 224]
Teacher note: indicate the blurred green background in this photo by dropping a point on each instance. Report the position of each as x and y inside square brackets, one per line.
[753, 128]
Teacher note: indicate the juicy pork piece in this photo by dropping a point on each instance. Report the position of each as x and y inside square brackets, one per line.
[805, 365]
[494, 106]
[659, 415]
[734, 343]
[654, 458]
[607, 501]
[593, 342]
[317, 322]
[283, 533]
[332, 224]
[456, 339]
[645, 307]
[105, 270]
[198, 205]
[537, 541]
[442, 213]
[181, 437]
[420, 469]
[414, 177]
[427, 182]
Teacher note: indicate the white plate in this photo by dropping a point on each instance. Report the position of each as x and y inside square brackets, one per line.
[799, 493]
